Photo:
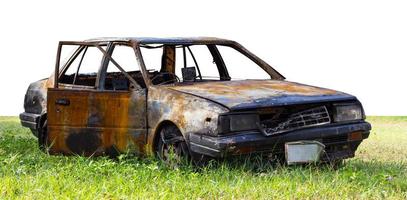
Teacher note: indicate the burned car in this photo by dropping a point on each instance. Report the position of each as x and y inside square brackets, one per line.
[199, 97]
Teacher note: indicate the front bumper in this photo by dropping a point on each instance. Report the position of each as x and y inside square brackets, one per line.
[339, 140]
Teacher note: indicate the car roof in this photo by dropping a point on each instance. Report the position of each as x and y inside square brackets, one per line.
[169, 40]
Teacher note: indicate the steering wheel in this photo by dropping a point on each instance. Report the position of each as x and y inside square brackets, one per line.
[161, 74]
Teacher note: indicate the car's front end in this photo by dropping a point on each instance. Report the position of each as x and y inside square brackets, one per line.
[277, 114]
[339, 126]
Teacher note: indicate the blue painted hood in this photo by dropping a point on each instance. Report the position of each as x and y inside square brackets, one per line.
[247, 94]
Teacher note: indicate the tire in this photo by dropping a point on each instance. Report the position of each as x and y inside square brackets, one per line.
[336, 164]
[171, 146]
[42, 137]
[333, 164]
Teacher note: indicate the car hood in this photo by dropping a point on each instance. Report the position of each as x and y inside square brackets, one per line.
[248, 94]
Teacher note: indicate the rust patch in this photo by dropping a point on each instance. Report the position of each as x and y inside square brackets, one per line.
[168, 59]
[94, 121]
[232, 93]
[272, 87]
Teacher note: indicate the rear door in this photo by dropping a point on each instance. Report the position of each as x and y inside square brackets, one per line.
[119, 108]
[84, 117]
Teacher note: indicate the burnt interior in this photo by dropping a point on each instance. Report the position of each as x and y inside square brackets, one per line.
[117, 80]
[81, 79]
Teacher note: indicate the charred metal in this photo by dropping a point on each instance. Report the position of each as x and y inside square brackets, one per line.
[144, 110]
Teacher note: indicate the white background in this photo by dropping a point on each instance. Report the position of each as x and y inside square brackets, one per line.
[359, 47]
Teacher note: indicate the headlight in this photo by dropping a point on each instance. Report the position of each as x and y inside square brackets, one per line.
[347, 112]
[238, 122]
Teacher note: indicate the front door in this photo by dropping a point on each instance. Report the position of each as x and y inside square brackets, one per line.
[94, 112]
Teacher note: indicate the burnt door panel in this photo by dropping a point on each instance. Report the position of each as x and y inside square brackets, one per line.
[67, 114]
[96, 122]
[120, 115]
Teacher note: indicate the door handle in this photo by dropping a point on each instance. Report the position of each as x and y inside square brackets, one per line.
[64, 102]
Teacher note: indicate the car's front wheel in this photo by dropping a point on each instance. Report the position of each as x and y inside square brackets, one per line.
[171, 145]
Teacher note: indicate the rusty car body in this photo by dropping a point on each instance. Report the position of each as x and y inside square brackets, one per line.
[147, 111]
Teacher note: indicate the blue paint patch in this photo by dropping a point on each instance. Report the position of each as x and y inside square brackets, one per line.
[285, 100]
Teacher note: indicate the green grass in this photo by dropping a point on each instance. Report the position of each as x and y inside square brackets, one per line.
[378, 171]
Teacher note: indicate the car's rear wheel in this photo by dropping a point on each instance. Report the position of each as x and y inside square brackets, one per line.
[171, 146]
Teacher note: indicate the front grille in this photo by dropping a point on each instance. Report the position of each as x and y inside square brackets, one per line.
[306, 118]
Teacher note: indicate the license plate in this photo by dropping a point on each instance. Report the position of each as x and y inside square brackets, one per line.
[303, 151]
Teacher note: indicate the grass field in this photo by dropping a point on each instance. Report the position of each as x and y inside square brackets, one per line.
[378, 171]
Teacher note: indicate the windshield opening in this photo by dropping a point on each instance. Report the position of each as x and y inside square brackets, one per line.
[171, 64]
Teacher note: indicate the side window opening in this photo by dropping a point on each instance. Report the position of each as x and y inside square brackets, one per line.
[115, 79]
[83, 67]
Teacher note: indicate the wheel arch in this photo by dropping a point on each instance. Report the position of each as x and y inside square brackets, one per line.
[157, 131]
